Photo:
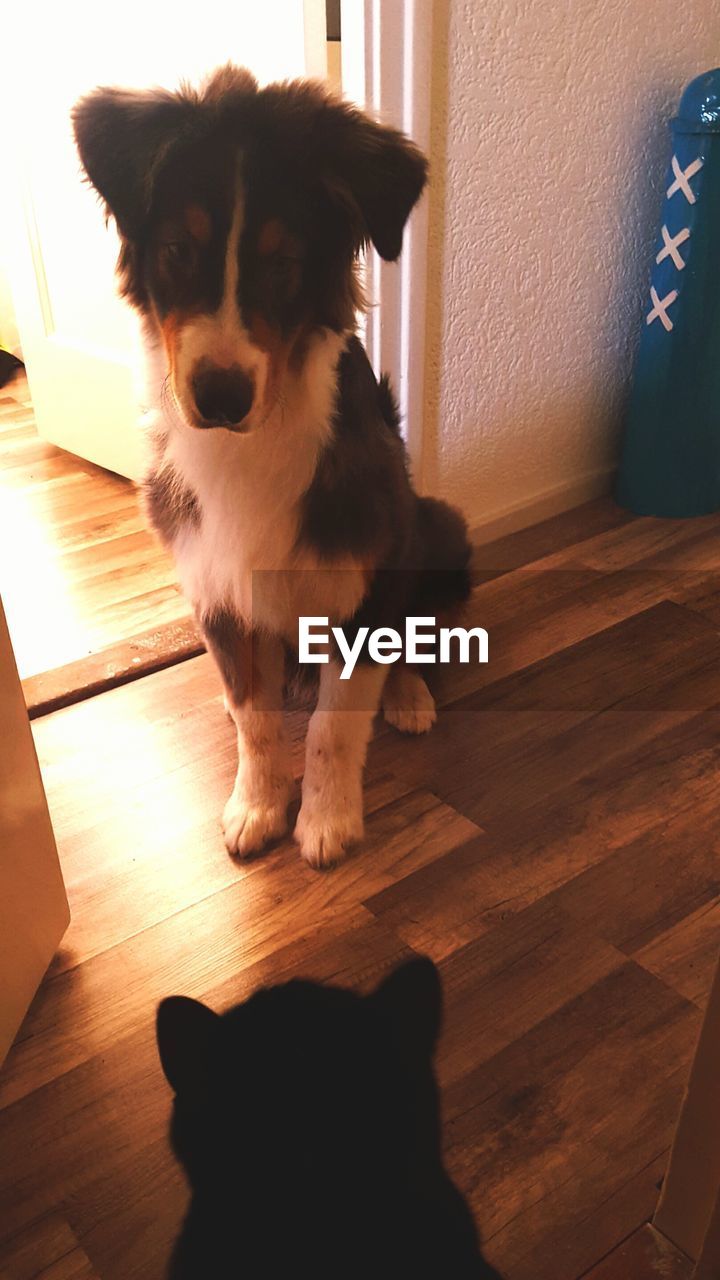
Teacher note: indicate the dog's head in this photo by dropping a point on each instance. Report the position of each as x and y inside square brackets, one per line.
[241, 213]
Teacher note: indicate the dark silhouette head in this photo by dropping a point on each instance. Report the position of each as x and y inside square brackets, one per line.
[307, 1121]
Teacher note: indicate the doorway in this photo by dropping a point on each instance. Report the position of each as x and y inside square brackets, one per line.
[90, 595]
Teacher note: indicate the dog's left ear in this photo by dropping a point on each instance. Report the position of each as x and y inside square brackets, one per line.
[411, 1001]
[121, 136]
[378, 170]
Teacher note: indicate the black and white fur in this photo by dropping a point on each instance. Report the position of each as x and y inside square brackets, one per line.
[277, 475]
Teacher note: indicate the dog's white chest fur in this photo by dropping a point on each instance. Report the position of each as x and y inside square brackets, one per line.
[248, 519]
[243, 552]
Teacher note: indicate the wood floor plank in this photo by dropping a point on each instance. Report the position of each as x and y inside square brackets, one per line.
[699, 591]
[599, 1223]
[280, 892]
[116, 520]
[490, 754]
[85, 557]
[136, 780]
[645, 1255]
[566, 1115]
[502, 985]
[113, 520]
[58, 469]
[143, 568]
[639, 892]
[103, 1124]
[683, 566]
[11, 412]
[62, 510]
[46, 1250]
[25, 453]
[103, 557]
[557, 534]
[122, 619]
[685, 956]
[652, 545]
[204, 952]
[132, 736]
[579, 831]
[533, 615]
[544, 764]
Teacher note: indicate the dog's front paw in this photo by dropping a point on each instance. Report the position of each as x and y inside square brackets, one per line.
[325, 835]
[408, 704]
[248, 826]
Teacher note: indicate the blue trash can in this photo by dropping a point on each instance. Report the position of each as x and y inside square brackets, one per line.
[670, 460]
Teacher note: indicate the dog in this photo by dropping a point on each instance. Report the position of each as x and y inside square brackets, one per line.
[307, 1122]
[278, 475]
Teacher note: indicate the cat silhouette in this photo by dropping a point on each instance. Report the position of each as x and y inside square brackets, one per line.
[307, 1121]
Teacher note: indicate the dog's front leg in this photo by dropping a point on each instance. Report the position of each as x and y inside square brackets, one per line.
[252, 669]
[331, 816]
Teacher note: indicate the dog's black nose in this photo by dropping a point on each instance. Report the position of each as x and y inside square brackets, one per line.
[223, 396]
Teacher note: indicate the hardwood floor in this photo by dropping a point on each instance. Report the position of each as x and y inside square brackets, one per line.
[553, 844]
[103, 602]
[645, 1255]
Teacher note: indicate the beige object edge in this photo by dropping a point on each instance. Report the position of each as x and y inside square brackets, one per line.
[34, 912]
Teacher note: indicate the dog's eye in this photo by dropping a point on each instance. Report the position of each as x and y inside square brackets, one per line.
[281, 272]
[279, 264]
[177, 255]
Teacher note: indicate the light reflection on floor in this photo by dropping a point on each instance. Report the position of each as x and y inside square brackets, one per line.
[45, 621]
[79, 571]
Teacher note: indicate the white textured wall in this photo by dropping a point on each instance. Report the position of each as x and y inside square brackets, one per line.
[548, 154]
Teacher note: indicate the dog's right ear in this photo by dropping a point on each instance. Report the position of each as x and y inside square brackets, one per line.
[122, 136]
[374, 170]
[187, 1033]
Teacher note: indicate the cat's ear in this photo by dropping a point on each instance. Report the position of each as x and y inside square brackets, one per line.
[411, 999]
[186, 1035]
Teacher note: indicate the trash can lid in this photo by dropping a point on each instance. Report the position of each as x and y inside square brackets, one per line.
[699, 110]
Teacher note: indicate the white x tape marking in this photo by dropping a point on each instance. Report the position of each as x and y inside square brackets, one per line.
[660, 308]
[670, 246]
[682, 179]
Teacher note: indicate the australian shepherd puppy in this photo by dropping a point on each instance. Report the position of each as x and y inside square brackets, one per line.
[277, 475]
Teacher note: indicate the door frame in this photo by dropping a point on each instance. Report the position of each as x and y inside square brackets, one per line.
[387, 68]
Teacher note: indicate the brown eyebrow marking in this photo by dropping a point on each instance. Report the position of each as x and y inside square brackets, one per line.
[171, 327]
[272, 237]
[198, 223]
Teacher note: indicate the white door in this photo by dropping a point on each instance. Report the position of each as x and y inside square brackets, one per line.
[79, 340]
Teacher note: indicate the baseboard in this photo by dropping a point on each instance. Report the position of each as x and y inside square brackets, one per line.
[542, 506]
